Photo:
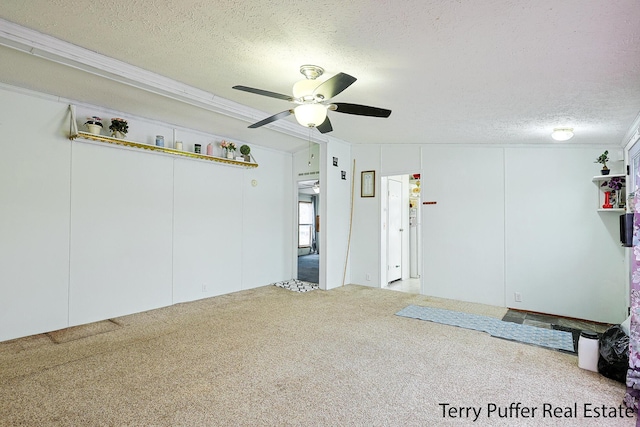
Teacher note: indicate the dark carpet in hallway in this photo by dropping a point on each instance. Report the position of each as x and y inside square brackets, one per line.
[308, 266]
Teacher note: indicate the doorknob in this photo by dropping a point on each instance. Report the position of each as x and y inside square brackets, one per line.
[402, 229]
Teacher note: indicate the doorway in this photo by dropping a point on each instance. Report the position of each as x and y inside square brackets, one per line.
[395, 230]
[401, 233]
[308, 231]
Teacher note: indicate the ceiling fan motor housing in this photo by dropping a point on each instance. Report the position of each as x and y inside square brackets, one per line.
[303, 90]
[311, 72]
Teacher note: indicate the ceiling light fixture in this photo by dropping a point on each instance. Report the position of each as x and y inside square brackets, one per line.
[310, 115]
[562, 134]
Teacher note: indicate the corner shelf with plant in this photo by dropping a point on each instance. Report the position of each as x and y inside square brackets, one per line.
[611, 187]
[121, 126]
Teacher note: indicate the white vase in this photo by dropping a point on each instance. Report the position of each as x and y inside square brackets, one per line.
[118, 134]
[229, 154]
[94, 129]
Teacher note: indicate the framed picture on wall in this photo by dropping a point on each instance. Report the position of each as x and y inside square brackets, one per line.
[368, 184]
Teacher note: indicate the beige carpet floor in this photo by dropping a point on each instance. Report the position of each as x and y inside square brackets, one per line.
[272, 357]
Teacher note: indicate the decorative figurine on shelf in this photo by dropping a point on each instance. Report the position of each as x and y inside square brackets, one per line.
[228, 149]
[607, 200]
[616, 184]
[94, 125]
[603, 159]
[245, 150]
[119, 128]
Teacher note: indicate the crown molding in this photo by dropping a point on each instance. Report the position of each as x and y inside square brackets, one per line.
[50, 48]
[633, 134]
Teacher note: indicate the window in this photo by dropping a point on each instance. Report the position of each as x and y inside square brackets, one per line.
[305, 224]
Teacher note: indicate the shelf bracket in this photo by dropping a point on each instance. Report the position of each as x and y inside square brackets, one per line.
[73, 126]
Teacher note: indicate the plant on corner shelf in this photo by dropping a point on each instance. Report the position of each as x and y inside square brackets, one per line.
[119, 125]
[616, 183]
[603, 159]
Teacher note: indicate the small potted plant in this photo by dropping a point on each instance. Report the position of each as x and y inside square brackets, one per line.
[229, 148]
[603, 159]
[119, 127]
[94, 125]
[245, 150]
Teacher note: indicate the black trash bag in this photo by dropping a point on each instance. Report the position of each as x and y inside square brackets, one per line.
[613, 361]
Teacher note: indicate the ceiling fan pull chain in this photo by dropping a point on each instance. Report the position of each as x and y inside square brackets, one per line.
[310, 155]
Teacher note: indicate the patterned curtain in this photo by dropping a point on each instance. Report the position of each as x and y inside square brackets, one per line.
[633, 374]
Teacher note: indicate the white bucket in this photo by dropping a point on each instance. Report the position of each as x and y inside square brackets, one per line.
[588, 351]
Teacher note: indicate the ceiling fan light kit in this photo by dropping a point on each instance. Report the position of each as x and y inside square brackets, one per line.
[312, 99]
[562, 134]
[310, 115]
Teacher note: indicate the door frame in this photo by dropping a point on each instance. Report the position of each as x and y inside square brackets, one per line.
[297, 220]
[383, 257]
[391, 234]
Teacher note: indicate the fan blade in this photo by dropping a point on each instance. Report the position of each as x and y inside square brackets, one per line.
[325, 126]
[361, 110]
[334, 85]
[264, 93]
[273, 118]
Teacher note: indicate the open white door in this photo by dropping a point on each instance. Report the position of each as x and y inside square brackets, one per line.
[394, 230]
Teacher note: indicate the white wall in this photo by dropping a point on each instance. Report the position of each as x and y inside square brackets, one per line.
[35, 168]
[268, 244]
[121, 237]
[506, 220]
[91, 231]
[562, 256]
[463, 234]
[335, 209]
[206, 214]
[366, 237]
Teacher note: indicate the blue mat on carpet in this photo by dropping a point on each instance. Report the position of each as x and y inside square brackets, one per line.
[495, 327]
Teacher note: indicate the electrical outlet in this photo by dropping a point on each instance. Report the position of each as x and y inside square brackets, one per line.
[517, 297]
[204, 287]
[368, 277]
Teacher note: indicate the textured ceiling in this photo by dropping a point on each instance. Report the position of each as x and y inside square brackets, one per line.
[496, 71]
